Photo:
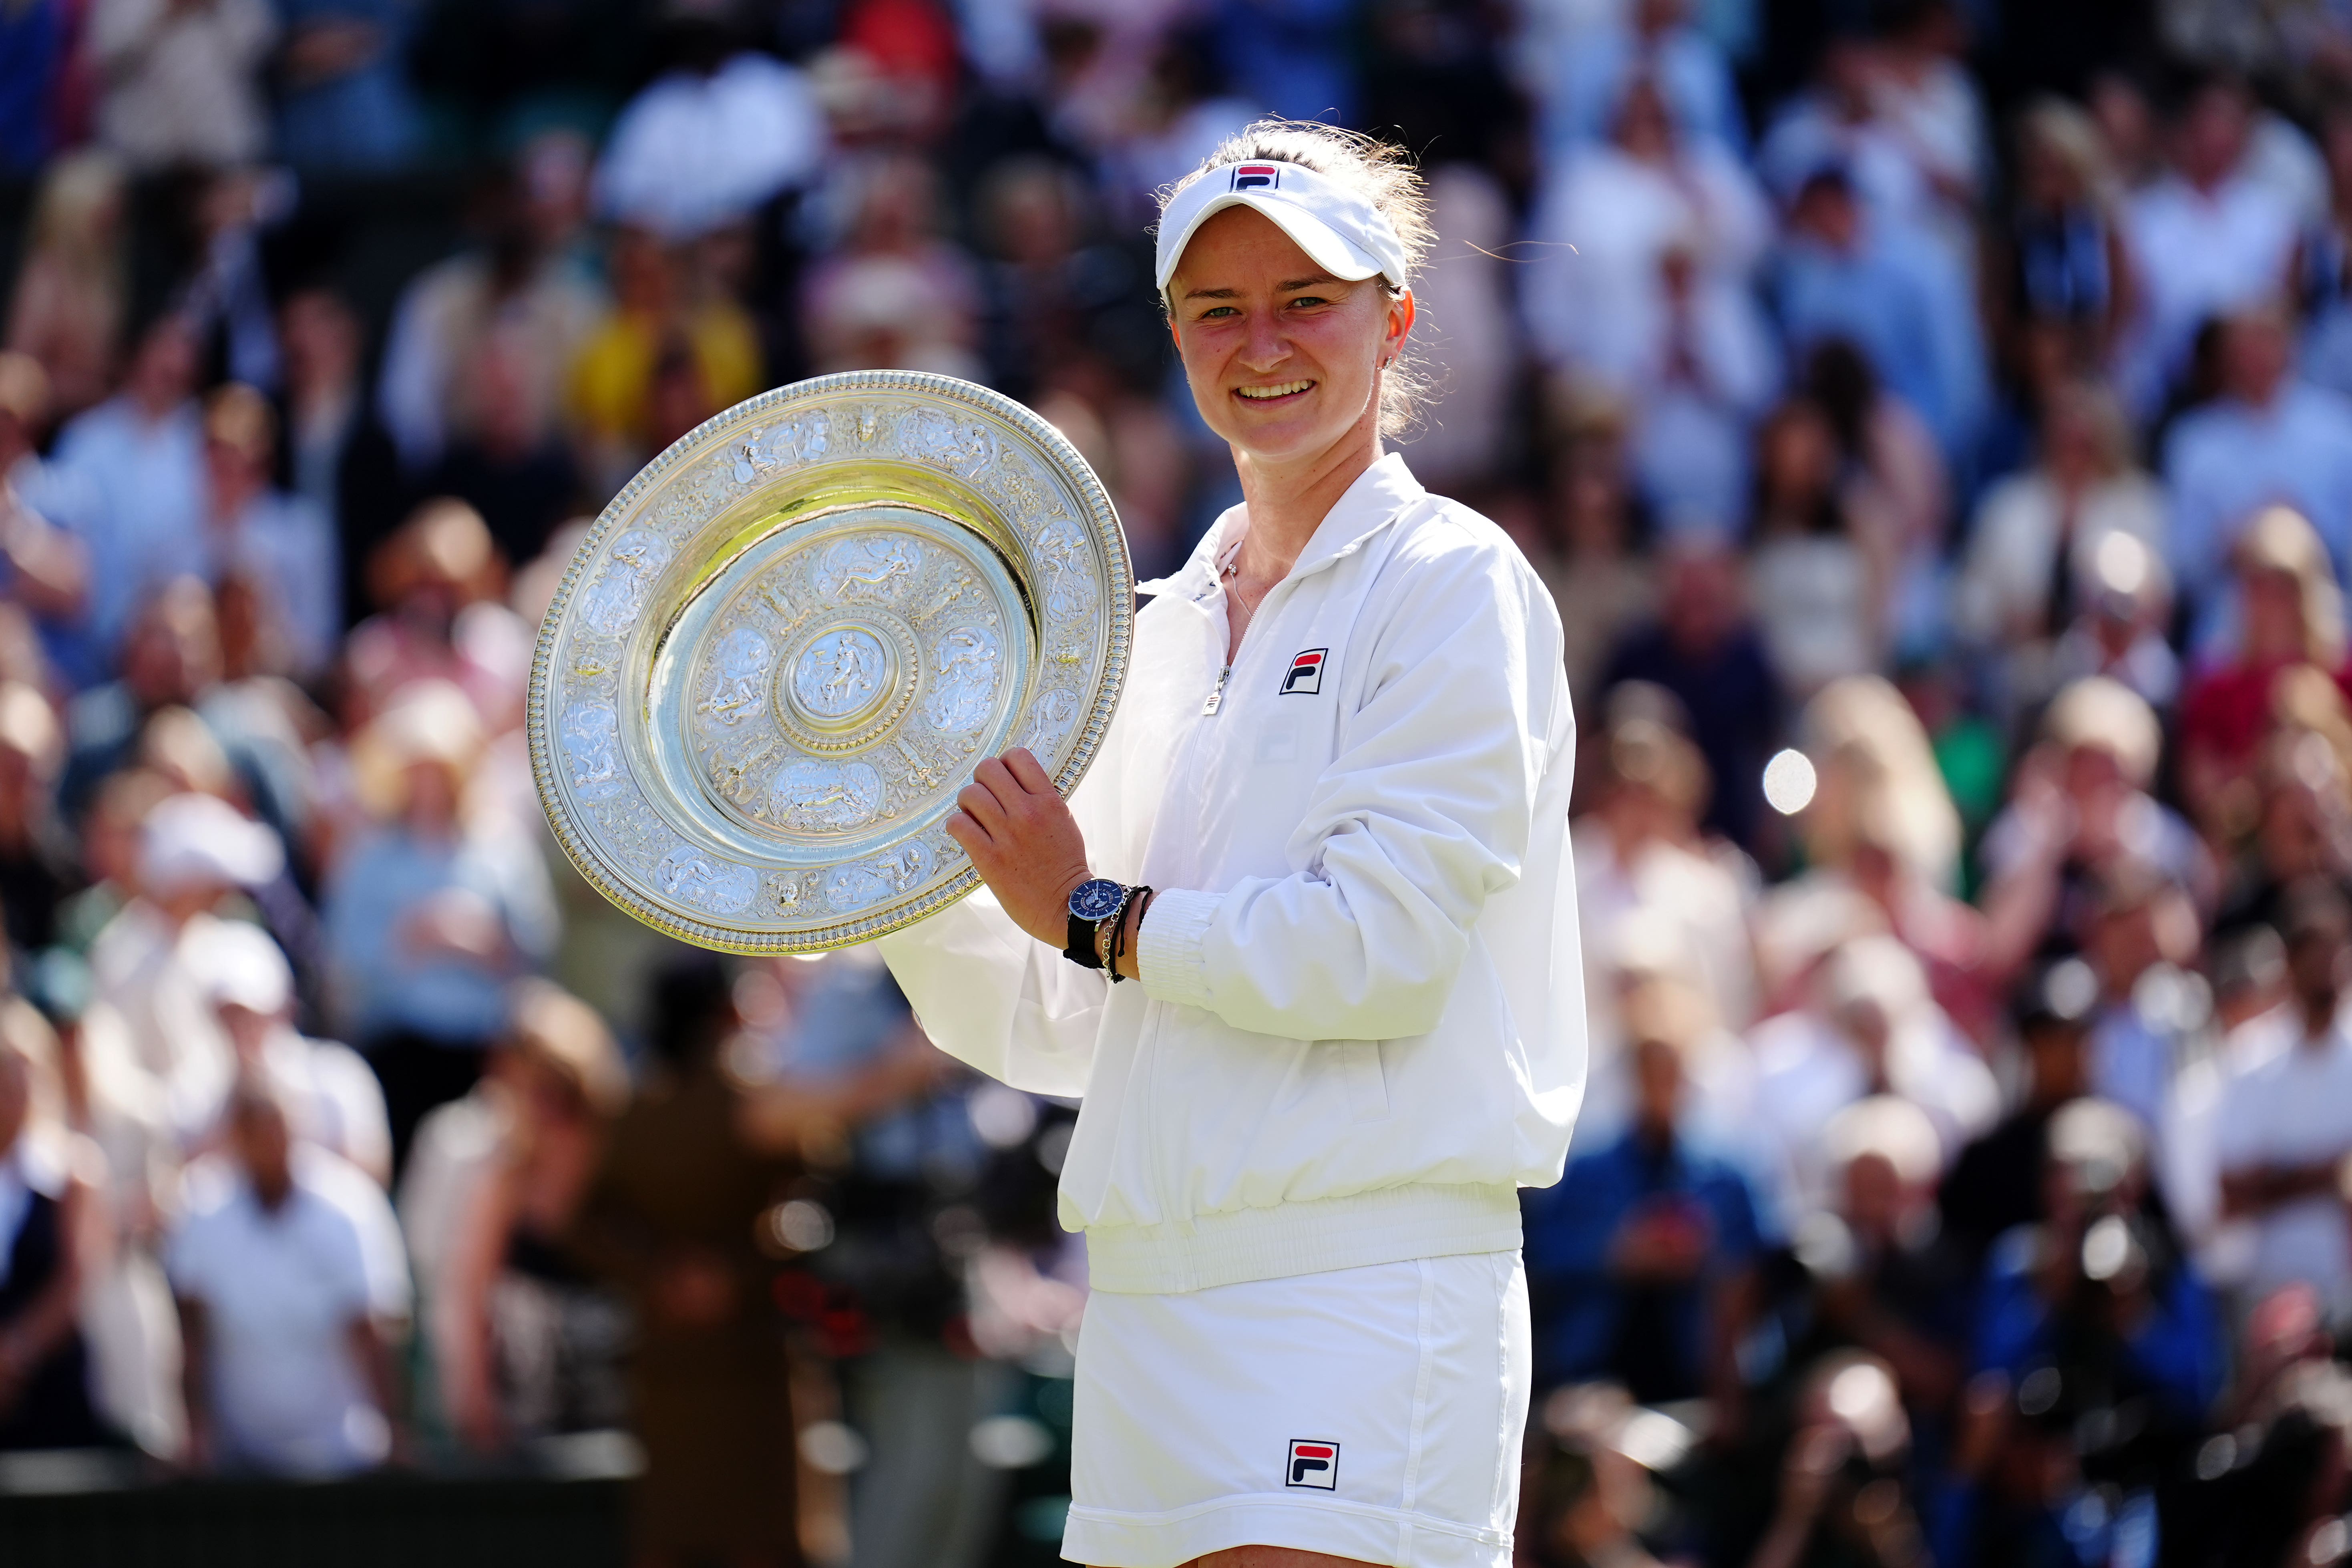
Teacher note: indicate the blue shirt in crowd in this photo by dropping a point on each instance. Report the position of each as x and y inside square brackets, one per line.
[1587, 1321]
[2229, 459]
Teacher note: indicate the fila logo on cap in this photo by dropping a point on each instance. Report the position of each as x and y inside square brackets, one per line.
[1306, 676]
[1313, 1463]
[1254, 177]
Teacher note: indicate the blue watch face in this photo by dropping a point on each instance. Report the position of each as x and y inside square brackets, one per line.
[1094, 900]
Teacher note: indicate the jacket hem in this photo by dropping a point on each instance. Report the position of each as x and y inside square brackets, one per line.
[1392, 1225]
[1113, 1538]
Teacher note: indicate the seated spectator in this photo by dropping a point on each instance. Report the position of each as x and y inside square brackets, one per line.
[709, 140]
[1643, 1256]
[2208, 238]
[1588, 1486]
[1639, 854]
[1842, 273]
[1893, 475]
[72, 285]
[2037, 534]
[2283, 1125]
[507, 463]
[1998, 1183]
[44, 1364]
[1869, 1027]
[2088, 1315]
[287, 1268]
[330, 1099]
[437, 619]
[1820, 571]
[2123, 606]
[1881, 846]
[1587, 82]
[2291, 613]
[126, 1313]
[43, 566]
[182, 87]
[2142, 933]
[1641, 287]
[1845, 1495]
[525, 1341]
[1884, 1279]
[2061, 261]
[1586, 551]
[150, 962]
[426, 916]
[140, 454]
[338, 454]
[345, 104]
[2078, 800]
[36, 861]
[655, 315]
[895, 294]
[673, 1216]
[280, 543]
[1705, 649]
[2269, 438]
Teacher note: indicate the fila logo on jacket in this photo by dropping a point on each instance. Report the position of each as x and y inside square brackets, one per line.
[1306, 676]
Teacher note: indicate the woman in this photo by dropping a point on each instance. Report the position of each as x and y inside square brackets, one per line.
[1342, 767]
[528, 1343]
[1821, 562]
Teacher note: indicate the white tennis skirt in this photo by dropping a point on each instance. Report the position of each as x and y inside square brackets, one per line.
[1367, 1413]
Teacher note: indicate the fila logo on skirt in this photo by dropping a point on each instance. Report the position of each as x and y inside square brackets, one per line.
[1313, 1463]
[1306, 676]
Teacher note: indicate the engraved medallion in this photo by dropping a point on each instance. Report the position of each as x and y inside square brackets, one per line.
[783, 646]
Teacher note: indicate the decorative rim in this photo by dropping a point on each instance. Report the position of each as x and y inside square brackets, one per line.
[1094, 513]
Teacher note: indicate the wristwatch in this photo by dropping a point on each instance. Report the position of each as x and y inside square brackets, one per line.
[1092, 903]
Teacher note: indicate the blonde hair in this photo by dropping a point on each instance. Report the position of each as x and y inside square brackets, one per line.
[558, 1031]
[2103, 714]
[2280, 539]
[1894, 796]
[1381, 172]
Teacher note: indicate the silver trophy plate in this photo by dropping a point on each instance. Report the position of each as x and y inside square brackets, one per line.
[783, 647]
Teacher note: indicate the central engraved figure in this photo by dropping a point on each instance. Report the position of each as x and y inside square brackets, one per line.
[839, 674]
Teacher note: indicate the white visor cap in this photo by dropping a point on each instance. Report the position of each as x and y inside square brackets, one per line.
[1340, 231]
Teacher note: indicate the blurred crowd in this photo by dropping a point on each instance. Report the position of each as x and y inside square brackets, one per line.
[1933, 417]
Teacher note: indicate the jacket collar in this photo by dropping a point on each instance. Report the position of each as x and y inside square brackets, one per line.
[1379, 496]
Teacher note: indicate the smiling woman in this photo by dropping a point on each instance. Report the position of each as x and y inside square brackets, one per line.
[1325, 834]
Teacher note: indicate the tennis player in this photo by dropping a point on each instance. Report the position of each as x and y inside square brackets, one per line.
[1304, 939]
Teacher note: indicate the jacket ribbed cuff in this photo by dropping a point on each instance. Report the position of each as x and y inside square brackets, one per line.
[1168, 950]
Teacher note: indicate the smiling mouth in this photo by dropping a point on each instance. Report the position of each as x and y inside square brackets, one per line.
[1273, 393]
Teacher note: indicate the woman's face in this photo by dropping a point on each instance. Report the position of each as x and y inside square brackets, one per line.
[1284, 361]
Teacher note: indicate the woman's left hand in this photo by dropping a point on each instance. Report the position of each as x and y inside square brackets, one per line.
[1023, 842]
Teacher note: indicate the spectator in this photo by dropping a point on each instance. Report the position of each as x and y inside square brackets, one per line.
[72, 293]
[36, 868]
[717, 134]
[330, 1098]
[1819, 569]
[520, 285]
[344, 103]
[2141, 933]
[1845, 273]
[1868, 1027]
[182, 84]
[432, 580]
[2039, 533]
[673, 1215]
[44, 1393]
[515, 470]
[141, 454]
[1842, 1494]
[1603, 582]
[1586, 85]
[525, 1341]
[2206, 239]
[337, 455]
[2062, 259]
[2270, 438]
[1704, 648]
[2284, 1124]
[895, 295]
[281, 545]
[149, 960]
[288, 1273]
[1643, 1257]
[1998, 1183]
[427, 917]
[43, 566]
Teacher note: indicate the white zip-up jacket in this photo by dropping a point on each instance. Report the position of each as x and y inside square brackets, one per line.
[1360, 1024]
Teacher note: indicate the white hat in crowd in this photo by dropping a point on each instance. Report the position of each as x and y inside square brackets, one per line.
[241, 963]
[190, 841]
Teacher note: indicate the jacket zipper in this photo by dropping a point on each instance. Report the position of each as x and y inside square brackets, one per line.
[1217, 694]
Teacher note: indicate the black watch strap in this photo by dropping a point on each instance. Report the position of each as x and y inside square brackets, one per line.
[1081, 951]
